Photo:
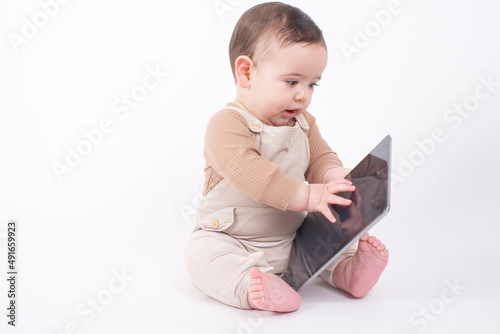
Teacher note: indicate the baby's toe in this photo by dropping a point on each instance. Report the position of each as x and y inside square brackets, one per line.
[255, 288]
[255, 273]
[376, 242]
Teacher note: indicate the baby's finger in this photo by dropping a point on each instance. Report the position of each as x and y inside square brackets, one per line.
[334, 199]
[334, 188]
[340, 181]
[328, 214]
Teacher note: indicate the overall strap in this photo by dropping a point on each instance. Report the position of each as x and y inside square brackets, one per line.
[255, 125]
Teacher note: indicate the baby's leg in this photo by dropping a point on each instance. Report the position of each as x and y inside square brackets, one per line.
[269, 292]
[358, 274]
[219, 266]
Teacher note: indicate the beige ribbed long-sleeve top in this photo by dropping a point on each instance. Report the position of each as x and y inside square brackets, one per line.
[230, 153]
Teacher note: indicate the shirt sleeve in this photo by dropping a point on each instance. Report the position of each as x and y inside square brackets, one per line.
[230, 150]
[322, 157]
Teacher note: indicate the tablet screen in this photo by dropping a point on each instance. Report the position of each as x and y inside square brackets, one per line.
[319, 242]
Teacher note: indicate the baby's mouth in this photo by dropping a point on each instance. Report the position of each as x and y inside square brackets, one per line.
[289, 113]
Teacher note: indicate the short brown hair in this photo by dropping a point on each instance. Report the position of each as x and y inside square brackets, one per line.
[286, 23]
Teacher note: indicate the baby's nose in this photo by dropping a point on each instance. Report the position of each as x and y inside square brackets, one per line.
[300, 95]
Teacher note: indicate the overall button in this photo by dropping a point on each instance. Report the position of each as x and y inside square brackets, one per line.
[256, 126]
[215, 224]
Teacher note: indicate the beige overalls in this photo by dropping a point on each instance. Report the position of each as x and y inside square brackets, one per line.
[234, 233]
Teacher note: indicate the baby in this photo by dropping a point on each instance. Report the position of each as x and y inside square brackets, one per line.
[266, 167]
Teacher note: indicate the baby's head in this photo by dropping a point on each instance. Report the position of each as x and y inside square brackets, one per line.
[269, 24]
[277, 55]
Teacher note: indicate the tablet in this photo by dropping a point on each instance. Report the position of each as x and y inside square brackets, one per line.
[319, 242]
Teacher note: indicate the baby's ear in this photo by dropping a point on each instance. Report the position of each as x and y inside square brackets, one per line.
[243, 67]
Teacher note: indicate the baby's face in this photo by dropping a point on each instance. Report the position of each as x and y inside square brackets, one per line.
[283, 81]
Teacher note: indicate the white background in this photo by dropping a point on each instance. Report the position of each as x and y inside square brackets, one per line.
[127, 206]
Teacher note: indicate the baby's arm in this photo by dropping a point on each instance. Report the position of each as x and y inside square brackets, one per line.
[317, 197]
[231, 154]
[230, 151]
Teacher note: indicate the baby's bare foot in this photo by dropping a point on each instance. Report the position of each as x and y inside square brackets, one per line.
[358, 274]
[269, 292]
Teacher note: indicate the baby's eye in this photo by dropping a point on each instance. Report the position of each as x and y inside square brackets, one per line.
[313, 85]
[292, 82]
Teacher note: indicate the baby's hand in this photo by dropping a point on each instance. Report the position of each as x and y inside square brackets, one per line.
[321, 195]
[336, 174]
